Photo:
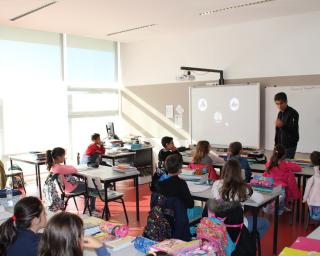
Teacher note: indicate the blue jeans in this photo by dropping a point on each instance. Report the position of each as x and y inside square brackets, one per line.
[262, 225]
[315, 213]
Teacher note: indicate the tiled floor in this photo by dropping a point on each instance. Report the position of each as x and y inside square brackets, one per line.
[286, 235]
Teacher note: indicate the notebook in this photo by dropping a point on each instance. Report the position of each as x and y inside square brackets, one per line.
[307, 244]
[294, 252]
[175, 246]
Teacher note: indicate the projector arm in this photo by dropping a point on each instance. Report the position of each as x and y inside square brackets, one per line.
[221, 80]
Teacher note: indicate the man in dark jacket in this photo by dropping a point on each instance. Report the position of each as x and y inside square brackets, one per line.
[287, 125]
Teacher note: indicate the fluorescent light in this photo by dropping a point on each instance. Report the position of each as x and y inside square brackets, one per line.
[131, 29]
[235, 7]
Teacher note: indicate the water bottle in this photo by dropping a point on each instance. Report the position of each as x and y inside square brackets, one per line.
[9, 196]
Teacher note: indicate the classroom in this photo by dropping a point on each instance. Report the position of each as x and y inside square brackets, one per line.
[183, 128]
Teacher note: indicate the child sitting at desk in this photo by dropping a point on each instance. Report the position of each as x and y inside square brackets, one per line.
[64, 236]
[55, 160]
[19, 234]
[204, 154]
[232, 187]
[235, 149]
[282, 173]
[95, 150]
[312, 192]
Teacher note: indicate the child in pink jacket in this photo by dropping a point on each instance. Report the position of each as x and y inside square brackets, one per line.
[55, 160]
[283, 173]
[312, 192]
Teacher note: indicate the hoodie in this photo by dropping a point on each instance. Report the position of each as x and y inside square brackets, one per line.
[312, 191]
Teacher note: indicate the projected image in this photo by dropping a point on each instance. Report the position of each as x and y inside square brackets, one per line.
[226, 124]
[202, 104]
[217, 117]
[234, 104]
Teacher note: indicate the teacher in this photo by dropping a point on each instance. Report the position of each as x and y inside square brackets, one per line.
[287, 125]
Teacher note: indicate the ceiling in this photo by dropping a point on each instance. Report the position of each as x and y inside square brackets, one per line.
[97, 18]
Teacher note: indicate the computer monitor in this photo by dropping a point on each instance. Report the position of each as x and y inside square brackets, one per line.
[110, 129]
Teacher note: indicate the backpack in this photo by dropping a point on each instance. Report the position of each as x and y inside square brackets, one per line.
[52, 199]
[158, 227]
[214, 236]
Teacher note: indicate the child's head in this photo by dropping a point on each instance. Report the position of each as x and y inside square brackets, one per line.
[167, 142]
[28, 213]
[278, 154]
[62, 236]
[96, 138]
[281, 101]
[202, 149]
[234, 188]
[55, 156]
[173, 164]
[235, 148]
[315, 158]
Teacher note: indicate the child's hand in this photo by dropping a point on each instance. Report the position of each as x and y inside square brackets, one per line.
[91, 242]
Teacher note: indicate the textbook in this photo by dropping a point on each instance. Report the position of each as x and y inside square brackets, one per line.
[120, 243]
[176, 246]
[294, 252]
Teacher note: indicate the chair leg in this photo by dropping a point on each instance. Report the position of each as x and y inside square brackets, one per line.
[292, 213]
[103, 211]
[66, 204]
[125, 211]
[75, 202]
[86, 205]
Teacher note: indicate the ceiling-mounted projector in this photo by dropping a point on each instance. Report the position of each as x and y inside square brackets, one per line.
[186, 76]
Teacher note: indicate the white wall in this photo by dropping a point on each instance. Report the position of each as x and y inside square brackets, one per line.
[282, 46]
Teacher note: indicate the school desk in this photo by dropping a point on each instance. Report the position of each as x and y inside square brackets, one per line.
[254, 207]
[118, 155]
[30, 159]
[108, 176]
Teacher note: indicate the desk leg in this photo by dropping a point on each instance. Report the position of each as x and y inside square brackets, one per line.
[275, 231]
[106, 207]
[136, 181]
[255, 230]
[298, 201]
[38, 180]
[304, 182]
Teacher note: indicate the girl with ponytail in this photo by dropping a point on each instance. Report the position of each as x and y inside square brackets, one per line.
[19, 234]
[282, 172]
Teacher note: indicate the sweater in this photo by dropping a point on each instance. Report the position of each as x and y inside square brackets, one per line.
[244, 166]
[26, 244]
[94, 148]
[173, 186]
[283, 175]
[65, 170]
[312, 191]
[163, 154]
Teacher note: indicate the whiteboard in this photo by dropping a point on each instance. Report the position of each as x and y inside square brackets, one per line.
[304, 99]
[223, 114]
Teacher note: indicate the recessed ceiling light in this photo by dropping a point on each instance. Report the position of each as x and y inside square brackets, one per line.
[131, 29]
[34, 10]
[235, 7]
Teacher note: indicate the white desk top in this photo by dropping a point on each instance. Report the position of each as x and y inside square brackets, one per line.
[266, 197]
[129, 251]
[105, 173]
[118, 154]
[306, 171]
[315, 234]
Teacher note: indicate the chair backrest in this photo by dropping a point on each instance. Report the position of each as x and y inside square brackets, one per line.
[3, 179]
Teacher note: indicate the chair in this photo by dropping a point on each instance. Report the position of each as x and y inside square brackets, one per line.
[65, 196]
[310, 221]
[96, 190]
[211, 171]
[13, 172]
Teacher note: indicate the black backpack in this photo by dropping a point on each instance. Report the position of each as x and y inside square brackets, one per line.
[158, 227]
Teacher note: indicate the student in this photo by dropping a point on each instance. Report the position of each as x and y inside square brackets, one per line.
[55, 160]
[282, 172]
[19, 234]
[235, 149]
[94, 151]
[168, 149]
[312, 192]
[171, 185]
[232, 187]
[64, 236]
[204, 154]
